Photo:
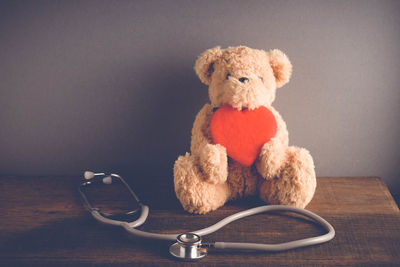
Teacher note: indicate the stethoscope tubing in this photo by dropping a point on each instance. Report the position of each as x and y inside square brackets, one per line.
[130, 227]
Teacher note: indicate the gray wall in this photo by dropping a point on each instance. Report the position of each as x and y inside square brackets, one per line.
[109, 85]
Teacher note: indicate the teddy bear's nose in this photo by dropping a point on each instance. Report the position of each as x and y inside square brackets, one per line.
[243, 79]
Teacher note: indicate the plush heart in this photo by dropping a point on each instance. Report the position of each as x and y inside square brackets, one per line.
[242, 133]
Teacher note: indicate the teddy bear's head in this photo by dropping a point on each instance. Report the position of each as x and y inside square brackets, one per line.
[243, 77]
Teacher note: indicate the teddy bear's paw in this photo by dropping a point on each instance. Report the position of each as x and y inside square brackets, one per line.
[214, 163]
[296, 182]
[195, 194]
[271, 159]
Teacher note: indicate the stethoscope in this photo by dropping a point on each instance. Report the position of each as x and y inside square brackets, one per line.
[188, 245]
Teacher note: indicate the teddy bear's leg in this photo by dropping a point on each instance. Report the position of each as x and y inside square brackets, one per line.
[195, 194]
[242, 181]
[295, 183]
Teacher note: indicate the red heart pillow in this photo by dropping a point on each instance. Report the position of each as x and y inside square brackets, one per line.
[243, 133]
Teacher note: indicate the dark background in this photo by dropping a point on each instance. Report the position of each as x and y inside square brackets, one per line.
[110, 86]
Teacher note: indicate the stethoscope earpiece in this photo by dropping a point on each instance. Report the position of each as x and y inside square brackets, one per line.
[107, 180]
[88, 175]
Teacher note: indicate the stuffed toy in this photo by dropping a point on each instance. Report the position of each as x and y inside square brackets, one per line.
[239, 145]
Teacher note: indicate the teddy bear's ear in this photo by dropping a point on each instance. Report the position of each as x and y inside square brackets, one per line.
[281, 67]
[204, 65]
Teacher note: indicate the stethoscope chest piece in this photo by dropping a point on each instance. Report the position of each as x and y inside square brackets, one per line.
[188, 247]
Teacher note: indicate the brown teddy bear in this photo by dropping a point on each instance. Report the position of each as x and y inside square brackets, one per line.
[239, 144]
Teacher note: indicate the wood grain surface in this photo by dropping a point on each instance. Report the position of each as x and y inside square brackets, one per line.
[44, 223]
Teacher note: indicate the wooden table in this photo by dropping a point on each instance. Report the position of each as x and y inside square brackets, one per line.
[43, 222]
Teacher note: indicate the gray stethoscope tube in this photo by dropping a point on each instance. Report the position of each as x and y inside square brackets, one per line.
[188, 245]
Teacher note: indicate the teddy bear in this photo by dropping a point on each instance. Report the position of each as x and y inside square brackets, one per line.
[240, 143]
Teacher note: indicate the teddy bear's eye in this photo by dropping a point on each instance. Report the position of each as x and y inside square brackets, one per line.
[261, 78]
[227, 76]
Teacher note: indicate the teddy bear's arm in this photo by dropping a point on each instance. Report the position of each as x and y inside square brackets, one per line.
[212, 157]
[200, 131]
[272, 154]
[282, 133]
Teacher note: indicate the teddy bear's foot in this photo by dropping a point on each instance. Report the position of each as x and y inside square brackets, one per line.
[195, 194]
[295, 185]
